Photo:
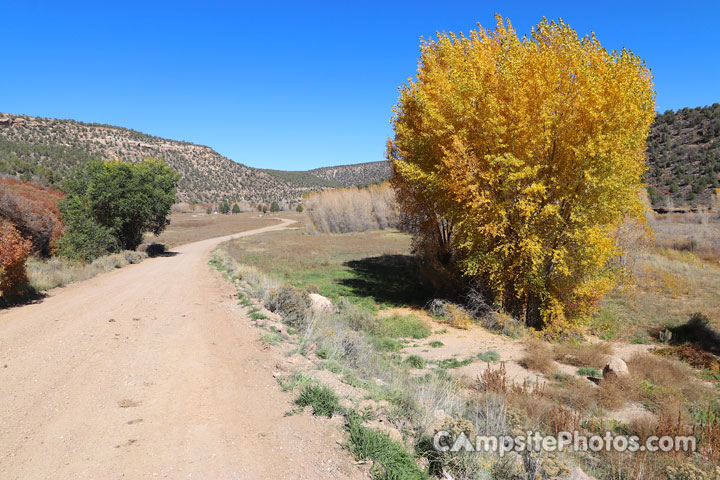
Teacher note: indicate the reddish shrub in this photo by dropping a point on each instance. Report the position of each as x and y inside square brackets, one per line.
[14, 249]
[33, 210]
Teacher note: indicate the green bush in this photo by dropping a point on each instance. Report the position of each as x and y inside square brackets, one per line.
[111, 204]
[323, 400]
[85, 239]
[589, 372]
[155, 249]
[415, 361]
[385, 344]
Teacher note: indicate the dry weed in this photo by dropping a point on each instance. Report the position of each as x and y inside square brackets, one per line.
[583, 355]
[538, 357]
[692, 354]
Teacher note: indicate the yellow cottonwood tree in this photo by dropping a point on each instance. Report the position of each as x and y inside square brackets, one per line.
[520, 157]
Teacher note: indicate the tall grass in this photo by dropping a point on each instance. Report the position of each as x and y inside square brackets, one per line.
[58, 271]
[353, 209]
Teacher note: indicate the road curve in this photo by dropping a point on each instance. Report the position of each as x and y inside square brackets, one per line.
[151, 371]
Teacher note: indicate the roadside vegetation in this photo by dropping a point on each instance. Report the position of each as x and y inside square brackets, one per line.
[94, 225]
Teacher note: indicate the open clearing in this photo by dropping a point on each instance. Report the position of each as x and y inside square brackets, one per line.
[193, 227]
[150, 370]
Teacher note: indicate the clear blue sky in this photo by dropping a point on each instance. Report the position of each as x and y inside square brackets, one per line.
[301, 84]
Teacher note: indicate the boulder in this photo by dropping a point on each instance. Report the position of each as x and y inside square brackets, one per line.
[321, 304]
[616, 368]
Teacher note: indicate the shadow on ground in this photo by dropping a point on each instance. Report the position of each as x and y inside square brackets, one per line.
[389, 279]
[697, 330]
[27, 299]
[164, 254]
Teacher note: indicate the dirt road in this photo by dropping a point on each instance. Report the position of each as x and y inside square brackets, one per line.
[151, 371]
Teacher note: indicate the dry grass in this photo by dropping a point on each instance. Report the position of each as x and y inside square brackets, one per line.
[695, 232]
[668, 283]
[538, 357]
[583, 355]
[662, 383]
[576, 392]
[613, 393]
[451, 313]
[189, 227]
[58, 271]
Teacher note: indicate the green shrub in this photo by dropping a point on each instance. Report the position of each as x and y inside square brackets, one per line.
[589, 372]
[271, 338]
[155, 249]
[385, 344]
[415, 361]
[562, 377]
[85, 239]
[323, 400]
[323, 352]
[450, 363]
[489, 356]
[436, 344]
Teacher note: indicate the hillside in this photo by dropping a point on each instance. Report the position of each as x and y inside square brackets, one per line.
[301, 179]
[46, 150]
[683, 159]
[357, 174]
[684, 156]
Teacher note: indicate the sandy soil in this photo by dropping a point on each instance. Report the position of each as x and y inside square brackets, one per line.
[149, 371]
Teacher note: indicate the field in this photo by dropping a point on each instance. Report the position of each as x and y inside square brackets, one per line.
[192, 227]
[393, 353]
[370, 268]
[669, 283]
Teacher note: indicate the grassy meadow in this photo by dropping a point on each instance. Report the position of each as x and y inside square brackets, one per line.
[370, 268]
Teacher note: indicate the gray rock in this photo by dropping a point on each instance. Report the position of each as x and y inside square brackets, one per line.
[321, 304]
[616, 368]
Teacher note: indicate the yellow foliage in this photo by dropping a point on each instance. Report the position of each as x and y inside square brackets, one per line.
[524, 155]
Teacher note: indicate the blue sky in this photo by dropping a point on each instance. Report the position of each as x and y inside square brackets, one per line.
[296, 85]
